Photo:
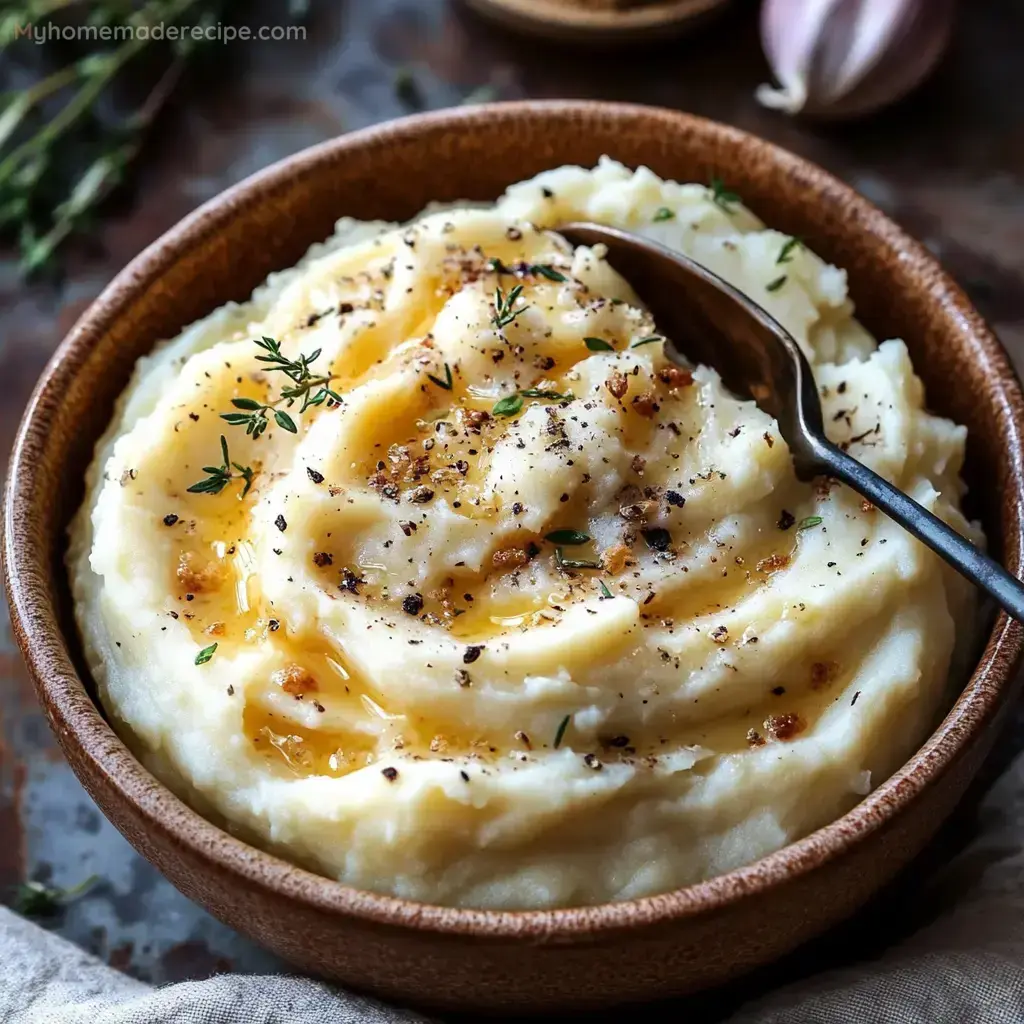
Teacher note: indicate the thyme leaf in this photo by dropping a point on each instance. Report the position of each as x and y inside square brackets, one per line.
[206, 654]
[574, 563]
[508, 406]
[557, 396]
[511, 404]
[560, 732]
[548, 271]
[786, 252]
[598, 345]
[722, 197]
[567, 537]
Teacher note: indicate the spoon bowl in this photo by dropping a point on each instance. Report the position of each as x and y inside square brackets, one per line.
[757, 357]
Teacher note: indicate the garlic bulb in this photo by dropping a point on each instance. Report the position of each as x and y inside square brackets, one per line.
[848, 57]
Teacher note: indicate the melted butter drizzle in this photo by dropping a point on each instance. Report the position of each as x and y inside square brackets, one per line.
[226, 604]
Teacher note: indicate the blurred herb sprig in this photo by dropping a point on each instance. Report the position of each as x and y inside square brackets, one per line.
[62, 151]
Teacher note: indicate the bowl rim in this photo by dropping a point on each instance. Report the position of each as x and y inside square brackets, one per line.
[559, 16]
[80, 726]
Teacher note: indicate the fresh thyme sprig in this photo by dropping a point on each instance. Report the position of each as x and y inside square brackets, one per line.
[504, 313]
[298, 370]
[61, 153]
[221, 476]
[37, 899]
[446, 384]
[311, 388]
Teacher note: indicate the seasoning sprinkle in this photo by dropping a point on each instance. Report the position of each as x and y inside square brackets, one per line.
[657, 538]
[559, 735]
[810, 521]
[649, 340]
[317, 478]
[774, 286]
[206, 654]
[170, 519]
[664, 213]
[605, 592]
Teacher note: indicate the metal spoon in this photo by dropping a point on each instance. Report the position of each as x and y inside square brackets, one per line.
[756, 356]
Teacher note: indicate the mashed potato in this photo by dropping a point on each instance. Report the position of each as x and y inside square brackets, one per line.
[481, 600]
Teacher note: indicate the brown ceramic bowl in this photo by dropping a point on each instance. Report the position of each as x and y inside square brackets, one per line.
[540, 960]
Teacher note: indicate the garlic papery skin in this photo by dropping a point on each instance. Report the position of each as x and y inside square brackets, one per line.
[844, 58]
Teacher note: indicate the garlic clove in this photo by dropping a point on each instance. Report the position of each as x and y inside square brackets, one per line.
[844, 58]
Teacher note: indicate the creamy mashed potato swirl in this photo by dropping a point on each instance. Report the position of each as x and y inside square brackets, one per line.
[517, 613]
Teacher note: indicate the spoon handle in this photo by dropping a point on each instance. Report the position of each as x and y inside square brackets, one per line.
[963, 556]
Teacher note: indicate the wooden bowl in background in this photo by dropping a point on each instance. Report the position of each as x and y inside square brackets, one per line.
[604, 25]
[485, 960]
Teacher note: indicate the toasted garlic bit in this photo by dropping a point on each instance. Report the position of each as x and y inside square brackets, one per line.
[843, 58]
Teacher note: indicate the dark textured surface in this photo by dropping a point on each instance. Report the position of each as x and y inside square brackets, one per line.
[947, 165]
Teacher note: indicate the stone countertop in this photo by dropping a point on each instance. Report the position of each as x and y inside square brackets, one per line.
[948, 164]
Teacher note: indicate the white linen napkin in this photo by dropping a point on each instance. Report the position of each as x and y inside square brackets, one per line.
[966, 966]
